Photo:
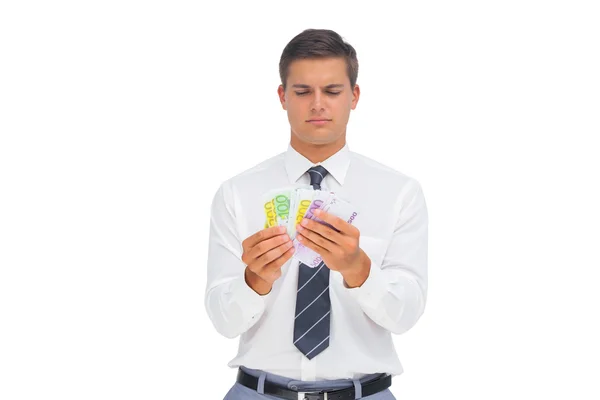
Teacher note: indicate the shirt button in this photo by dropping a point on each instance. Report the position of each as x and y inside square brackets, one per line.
[294, 387]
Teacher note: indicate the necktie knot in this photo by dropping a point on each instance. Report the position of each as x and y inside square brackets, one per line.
[317, 173]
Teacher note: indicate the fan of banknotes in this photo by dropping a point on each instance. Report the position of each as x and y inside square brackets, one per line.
[289, 205]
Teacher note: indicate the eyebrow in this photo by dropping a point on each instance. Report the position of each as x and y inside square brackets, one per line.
[331, 86]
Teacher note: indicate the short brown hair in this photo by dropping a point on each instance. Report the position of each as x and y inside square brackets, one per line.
[318, 43]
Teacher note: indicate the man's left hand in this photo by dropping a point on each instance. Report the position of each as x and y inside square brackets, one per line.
[339, 247]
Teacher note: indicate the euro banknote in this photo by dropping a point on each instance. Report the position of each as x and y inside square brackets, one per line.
[290, 205]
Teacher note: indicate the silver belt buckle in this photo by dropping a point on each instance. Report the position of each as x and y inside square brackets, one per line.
[302, 395]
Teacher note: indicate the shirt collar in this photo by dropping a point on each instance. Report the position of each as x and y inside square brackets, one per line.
[336, 165]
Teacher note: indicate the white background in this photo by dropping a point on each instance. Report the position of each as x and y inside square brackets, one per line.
[120, 119]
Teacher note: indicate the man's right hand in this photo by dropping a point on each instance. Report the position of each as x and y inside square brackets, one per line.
[265, 252]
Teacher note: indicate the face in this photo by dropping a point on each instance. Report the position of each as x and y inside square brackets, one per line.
[318, 89]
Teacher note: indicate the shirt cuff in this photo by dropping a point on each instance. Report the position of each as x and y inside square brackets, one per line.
[251, 303]
[370, 294]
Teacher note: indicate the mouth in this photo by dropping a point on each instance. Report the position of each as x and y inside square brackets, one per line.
[318, 122]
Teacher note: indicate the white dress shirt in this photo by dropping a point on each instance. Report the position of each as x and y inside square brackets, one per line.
[393, 226]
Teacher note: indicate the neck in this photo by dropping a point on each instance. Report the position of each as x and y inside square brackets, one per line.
[315, 152]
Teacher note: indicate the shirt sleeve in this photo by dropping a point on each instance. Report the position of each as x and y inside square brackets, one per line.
[395, 293]
[232, 306]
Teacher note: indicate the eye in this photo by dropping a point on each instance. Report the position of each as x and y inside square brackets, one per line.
[303, 93]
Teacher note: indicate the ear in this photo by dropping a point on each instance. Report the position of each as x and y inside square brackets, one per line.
[355, 96]
[281, 94]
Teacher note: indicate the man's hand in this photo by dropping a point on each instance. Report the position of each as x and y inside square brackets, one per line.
[265, 252]
[338, 246]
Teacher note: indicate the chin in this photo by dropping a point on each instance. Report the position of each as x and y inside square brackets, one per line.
[312, 139]
[316, 136]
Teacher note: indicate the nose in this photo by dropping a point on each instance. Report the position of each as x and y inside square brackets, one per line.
[316, 103]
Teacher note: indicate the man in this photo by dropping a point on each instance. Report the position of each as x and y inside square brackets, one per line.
[324, 332]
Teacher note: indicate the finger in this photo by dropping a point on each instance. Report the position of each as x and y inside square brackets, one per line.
[273, 268]
[315, 242]
[259, 263]
[335, 222]
[323, 230]
[262, 247]
[261, 235]
[316, 238]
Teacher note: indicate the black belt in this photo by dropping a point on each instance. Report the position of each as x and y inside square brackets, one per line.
[368, 388]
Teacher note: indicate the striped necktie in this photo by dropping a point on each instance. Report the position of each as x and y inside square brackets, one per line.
[313, 306]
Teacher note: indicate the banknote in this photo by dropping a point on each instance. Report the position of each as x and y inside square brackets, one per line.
[302, 201]
[334, 206]
[276, 206]
[288, 206]
[279, 205]
[319, 199]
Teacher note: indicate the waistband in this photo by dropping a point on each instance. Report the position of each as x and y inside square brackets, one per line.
[300, 385]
